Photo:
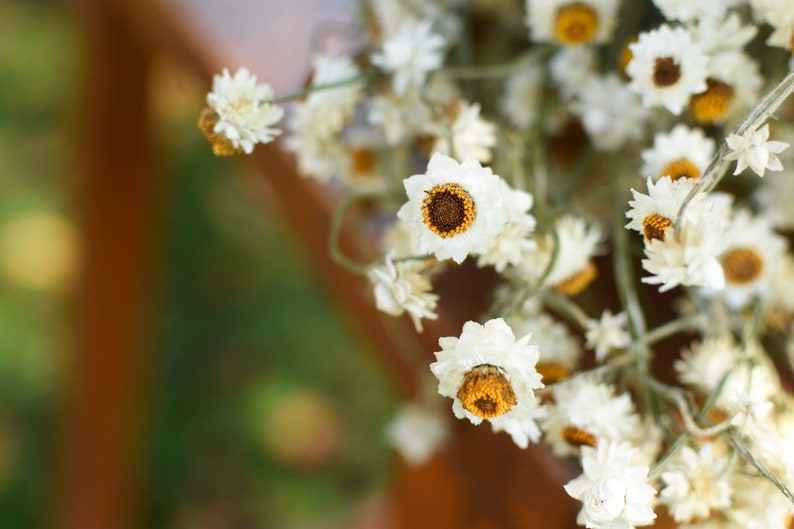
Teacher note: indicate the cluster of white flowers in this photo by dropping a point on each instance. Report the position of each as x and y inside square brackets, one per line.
[529, 140]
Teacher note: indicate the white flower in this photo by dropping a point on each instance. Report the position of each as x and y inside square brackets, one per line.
[667, 68]
[523, 90]
[751, 149]
[704, 364]
[488, 372]
[691, 10]
[520, 423]
[472, 136]
[586, 412]
[653, 213]
[410, 55]
[571, 67]
[611, 114]
[456, 208]
[399, 117]
[401, 287]
[607, 334]
[243, 118]
[695, 484]
[614, 494]
[417, 432]
[554, 340]
[511, 245]
[680, 152]
[571, 23]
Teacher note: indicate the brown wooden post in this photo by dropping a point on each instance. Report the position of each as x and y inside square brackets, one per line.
[99, 468]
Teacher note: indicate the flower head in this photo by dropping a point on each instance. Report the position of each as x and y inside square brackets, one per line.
[487, 371]
[614, 494]
[682, 152]
[410, 55]
[751, 149]
[417, 432]
[570, 22]
[239, 116]
[608, 333]
[401, 287]
[457, 209]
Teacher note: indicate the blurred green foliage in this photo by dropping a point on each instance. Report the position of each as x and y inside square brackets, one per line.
[263, 411]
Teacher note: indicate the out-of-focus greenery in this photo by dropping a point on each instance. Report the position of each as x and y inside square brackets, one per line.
[263, 411]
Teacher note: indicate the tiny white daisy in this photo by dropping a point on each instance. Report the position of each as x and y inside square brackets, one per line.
[472, 136]
[682, 152]
[653, 213]
[240, 117]
[667, 67]
[614, 493]
[487, 371]
[417, 432]
[410, 55]
[751, 149]
[455, 208]
[695, 484]
[607, 334]
[570, 68]
[515, 240]
[572, 23]
[401, 287]
[560, 351]
[523, 91]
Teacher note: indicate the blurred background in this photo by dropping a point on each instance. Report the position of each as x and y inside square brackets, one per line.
[260, 409]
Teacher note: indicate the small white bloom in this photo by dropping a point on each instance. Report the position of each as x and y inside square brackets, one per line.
[513, 243]
[556, 343]
[703, 365]
[592, 410]
[487, 372]
[455, 208]
[571, 67]
[472, 136]
[417, 432]
[571, 23]
[692, 10]
[607, 334]
[244, 118]
[401, 287]
[520, 423]
[399, 117]
[695, 484]
[523, 90]
[751, 149]
[682, 152]
[612, 115]
[667, 68]
[653, 213]
[410, 55]
[614, 494]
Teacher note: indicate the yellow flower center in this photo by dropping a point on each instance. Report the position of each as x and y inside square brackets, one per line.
[552, 372]
[577, 282]
[486, 392]
[713, 104]
[680, 168]
[742, 266]
[575, 23]
[221, 146]
[653, 227]
[362, 161]
[577, 437]
[448, 210]
[666, 72]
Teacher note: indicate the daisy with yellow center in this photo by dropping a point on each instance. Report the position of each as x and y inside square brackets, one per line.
[680, 153]
[456, 209]
[488, 373]
[571, 23]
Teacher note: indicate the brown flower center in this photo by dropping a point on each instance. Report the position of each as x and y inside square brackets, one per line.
[680, 168]
[486, 392]
[577, 437]
[575, 23]
[579, 281]
[653, 227]
[742, 266]
[713, 104]
[666, 72]
[448, 210]
[221, 146]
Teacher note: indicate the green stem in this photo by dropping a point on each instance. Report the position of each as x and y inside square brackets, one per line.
[336, 228]
[657, 469]
[569, 309]
[535, 288]
[759, 466]
[366, 76]
[495, 71]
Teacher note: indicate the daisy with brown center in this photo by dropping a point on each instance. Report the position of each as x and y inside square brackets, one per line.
[487, 371]
[667, 67]
[680, 153]
[571, 23]
[455, 208]
[751, 259]
[653, 213]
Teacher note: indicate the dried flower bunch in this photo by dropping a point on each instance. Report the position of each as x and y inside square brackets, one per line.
[533, 138]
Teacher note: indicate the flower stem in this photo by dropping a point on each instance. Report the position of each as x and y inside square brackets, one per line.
[363, 77]
[759, 466]
[336, 227]
[495, 71]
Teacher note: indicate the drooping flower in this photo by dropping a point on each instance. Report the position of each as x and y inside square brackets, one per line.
[607, 334]
[239, 116]
[410, 55]
[401, 287]
[667, 67]
[417, 432]
[751, 149]
[488, 372]
[614, 493]
[455, 208]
